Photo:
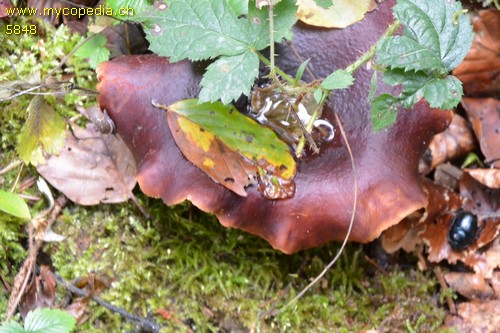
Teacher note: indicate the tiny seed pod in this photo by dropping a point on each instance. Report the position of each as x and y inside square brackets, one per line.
[102, 122]
[463, 231]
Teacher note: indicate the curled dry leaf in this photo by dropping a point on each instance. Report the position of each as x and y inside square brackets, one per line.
[480, 70]
[320, 211]
[484, 114]
[343, 13]
[92, 168]
[454, 142]
[40, 293]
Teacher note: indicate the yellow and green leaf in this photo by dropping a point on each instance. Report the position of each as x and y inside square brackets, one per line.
[43, 133]
[231, 148]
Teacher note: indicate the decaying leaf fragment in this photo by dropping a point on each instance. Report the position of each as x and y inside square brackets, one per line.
[232, 148]
[480, 70]
[43, 133]
[92, 168]
[456, 141]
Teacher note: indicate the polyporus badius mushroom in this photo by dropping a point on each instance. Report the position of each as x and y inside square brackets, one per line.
[320, 211]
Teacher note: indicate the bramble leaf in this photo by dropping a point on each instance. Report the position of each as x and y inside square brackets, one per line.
[95, 50]
[12, 204]
[340, 79]
[228, 77]
[383, 112]
[43, 132]
[444, 93]
[45, 320]
[433, 38]
[231, 148]
[196, 30]
[403, 52]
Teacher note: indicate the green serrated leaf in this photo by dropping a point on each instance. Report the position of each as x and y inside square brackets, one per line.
[12, 204]
[196, 30]
[433, 37]
[45, 320]
[444, 93]
[325, 4]
[403, 52]
[383, 112]
[95, 50]
[433, 24]
[340, 79]
[11, 327]
[240, 7]
[43, 132]
[228, 77]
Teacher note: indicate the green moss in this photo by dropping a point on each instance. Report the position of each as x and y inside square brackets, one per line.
[183, 261]
[30, 58]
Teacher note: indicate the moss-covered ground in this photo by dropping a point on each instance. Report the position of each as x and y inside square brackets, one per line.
[212, 279]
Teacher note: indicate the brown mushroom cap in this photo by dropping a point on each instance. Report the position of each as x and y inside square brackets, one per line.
[387, 162]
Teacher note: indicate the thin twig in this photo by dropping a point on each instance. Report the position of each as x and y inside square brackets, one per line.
[351, 223]
[444, 286]
[17, 178]
[10, 167]
[299, 57]
[143, 323]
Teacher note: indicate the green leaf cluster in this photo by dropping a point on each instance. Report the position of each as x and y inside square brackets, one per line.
[94, 50]
[42, 321]
[436, 38]
[213, 29]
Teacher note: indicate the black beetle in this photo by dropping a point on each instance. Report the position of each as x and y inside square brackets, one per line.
[463, 231]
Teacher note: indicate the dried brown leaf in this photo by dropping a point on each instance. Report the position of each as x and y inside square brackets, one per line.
[480, 70]
[40, 293]
[484, 114]
[92, 168]
[455, 141]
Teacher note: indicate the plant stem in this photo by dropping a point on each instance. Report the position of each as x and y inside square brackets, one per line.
[371, 52]
[272, 67]
[276, 69]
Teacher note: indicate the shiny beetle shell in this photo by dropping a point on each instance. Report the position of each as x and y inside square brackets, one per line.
[463, 231]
